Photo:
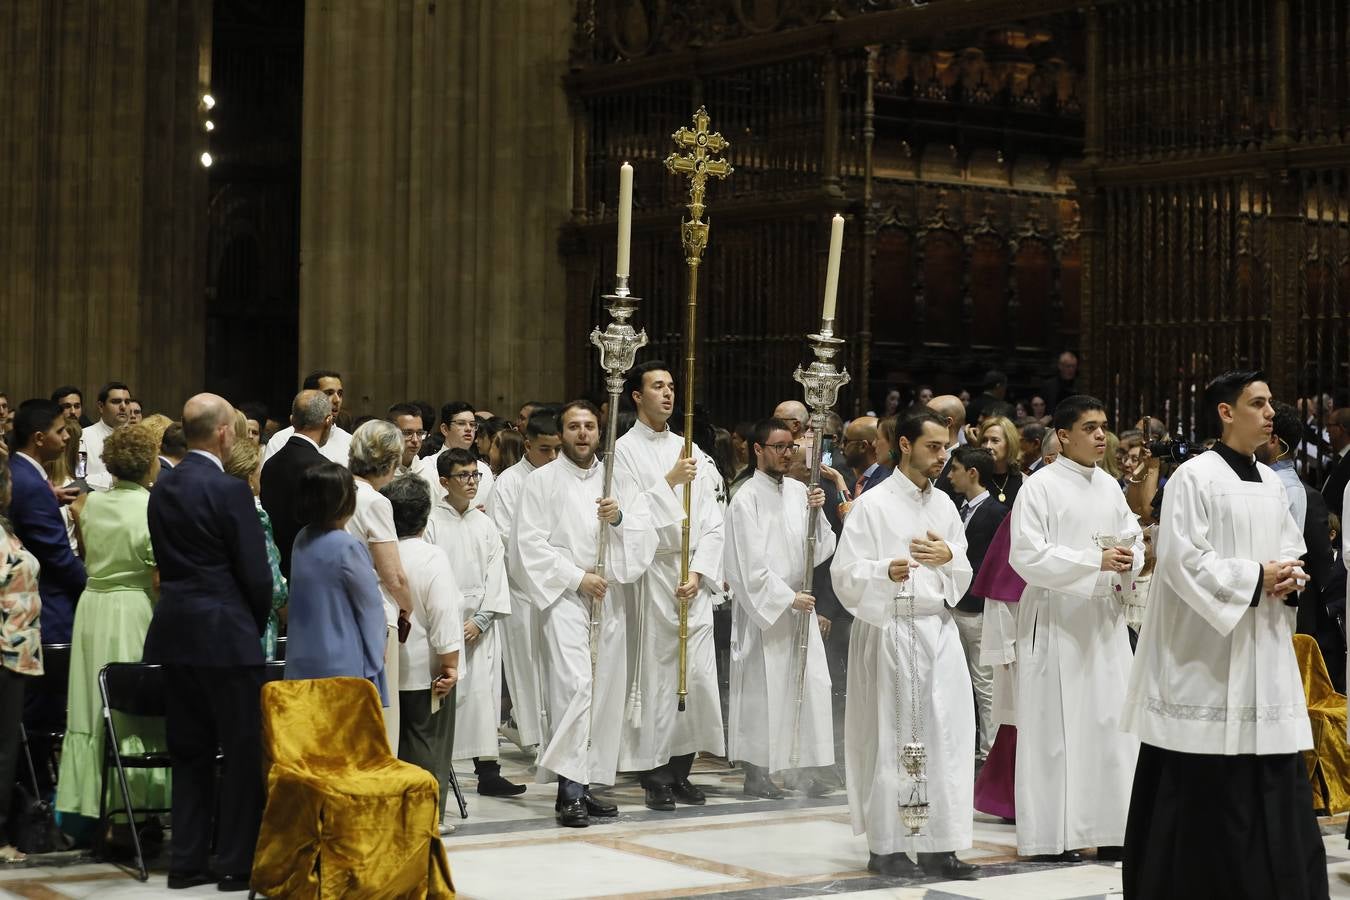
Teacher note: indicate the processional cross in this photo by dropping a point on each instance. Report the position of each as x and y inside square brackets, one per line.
[696, 165]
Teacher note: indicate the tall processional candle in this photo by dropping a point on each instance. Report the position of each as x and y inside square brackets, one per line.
[625, 219]
[832, 269]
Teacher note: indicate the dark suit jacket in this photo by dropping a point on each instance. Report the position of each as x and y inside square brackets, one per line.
[1333, 491]
[37, 521]
[215, 586]
[944, 483]
[880, 474]
[280, 489]
[979, 533]
[1319, 562]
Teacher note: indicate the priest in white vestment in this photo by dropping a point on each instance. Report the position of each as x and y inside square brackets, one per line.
[458, 427]
[114, 411]
[1074, 765]
[1221, 805]
[553, 546]
[766, 531]
[474, 547]
[337, 447]
[659, 741]
[522, 664]
[906, 529]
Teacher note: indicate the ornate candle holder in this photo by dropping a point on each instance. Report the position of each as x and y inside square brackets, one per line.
[820, 381]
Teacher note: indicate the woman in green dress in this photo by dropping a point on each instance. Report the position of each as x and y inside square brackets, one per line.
[111, 620]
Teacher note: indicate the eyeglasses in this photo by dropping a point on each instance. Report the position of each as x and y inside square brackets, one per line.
[781, 448]
[464, 423]
[410, 432]
[467, 477]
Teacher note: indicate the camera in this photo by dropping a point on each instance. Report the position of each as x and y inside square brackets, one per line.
[1173, 451]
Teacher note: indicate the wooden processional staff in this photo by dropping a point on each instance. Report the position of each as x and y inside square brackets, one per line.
[697, 165]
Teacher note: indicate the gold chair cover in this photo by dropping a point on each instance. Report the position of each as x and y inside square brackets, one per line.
[1329, 760]
[344, 818]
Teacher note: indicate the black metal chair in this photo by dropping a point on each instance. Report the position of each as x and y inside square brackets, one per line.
[51, 692]
[135, 689]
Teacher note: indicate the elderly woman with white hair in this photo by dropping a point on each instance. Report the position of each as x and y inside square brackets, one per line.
[375, 452]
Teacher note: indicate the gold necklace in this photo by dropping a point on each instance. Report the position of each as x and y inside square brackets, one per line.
[1003, 497]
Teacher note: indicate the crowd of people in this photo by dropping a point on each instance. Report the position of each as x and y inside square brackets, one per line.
[972, 574]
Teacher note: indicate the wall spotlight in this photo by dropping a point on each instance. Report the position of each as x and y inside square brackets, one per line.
[208, 101]
[207, 160]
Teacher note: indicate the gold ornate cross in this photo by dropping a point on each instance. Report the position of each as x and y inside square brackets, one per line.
[696, 163]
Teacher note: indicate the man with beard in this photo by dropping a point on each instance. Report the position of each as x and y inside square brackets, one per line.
[553, 547]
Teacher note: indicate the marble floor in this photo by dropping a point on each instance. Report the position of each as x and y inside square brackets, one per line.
[733, 848]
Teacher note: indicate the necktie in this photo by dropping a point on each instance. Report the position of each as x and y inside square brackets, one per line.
[858, 485]
[966, 510]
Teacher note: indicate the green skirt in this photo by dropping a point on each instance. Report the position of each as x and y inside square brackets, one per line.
[110, 626]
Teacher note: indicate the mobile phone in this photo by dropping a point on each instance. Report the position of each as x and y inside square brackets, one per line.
[827, 452]
[82, 464]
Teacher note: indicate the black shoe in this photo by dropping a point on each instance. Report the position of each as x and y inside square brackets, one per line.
[948, 866]
[761, 786]
[893, 865]
[1068, 856]
[1110, 854]
[660, 798]
[232, 883]
[180, 880]
[494, 785]
[573, 815]
[597, 808]
[685, 792]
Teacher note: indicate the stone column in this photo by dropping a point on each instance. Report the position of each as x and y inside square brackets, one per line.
[102, 196]
[435, 177]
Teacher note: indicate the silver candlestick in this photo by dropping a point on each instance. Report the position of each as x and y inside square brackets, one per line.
[618, 345]
[820, 381]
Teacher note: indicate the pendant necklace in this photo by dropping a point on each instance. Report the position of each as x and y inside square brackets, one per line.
[1002, 497]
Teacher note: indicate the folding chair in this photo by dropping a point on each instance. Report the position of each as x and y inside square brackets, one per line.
[135, 689]
[52, 689]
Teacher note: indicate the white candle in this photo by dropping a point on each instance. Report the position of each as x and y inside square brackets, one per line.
[832, 270]
[625, 218]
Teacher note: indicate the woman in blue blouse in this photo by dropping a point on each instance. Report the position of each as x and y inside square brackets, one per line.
[336, 623]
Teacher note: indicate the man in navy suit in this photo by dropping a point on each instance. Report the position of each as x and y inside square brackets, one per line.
[312, 419]
[971, 469]
[860, 450]
[40, 437]
[215, 594]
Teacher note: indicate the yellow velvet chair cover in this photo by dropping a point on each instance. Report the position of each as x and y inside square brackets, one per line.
[344, 818]
[1329, 760]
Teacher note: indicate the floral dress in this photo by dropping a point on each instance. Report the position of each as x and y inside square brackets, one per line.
[279, 591]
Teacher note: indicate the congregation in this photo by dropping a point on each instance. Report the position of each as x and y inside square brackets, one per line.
[1069, 618]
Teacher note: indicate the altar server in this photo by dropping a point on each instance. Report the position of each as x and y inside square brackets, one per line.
[1221, 805]
[518, 629]
[553, 546]
[477, 558]
[1074, 764]
[766, 531]
[906, 529]
[660, 742]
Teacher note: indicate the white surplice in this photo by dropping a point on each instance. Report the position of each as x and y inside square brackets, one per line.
[1074, 765]
[477, 556]
[519, 629]
[1214, 674]
[92, 439]
[645, 457]
[336, 449]
[426, 467]
[553, 544]
[878, 529]
[765, 562]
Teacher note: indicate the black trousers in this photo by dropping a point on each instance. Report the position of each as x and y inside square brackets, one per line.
[11, 714]
[427, 739]
[210, 707]
[1233, 827]
[675, 770]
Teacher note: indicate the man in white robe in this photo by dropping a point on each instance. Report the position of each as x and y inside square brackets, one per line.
[553, 545]
[766, 531]
[1221, 805]
[458, 427]
[338, 446]
[523, 675]
[1074, 766]
[660, 742]
[477, 557]
[906, 529]
[114, 411]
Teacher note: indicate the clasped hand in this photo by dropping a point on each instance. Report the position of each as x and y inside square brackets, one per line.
[1117, 559]
[1282, 577]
